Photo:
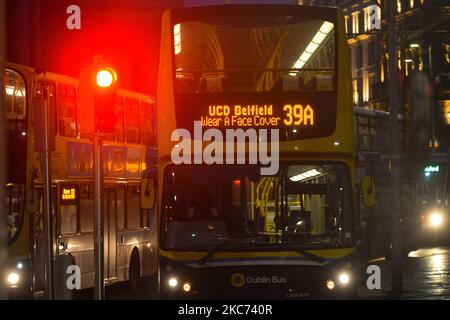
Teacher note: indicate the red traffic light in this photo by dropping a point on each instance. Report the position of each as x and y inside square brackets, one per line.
[106, 77]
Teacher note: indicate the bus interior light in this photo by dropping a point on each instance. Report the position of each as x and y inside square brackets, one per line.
[305, 175]
[316, 41]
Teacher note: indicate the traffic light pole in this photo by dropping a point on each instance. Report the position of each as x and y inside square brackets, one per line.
[3, 236]
[99, 277]
[396, 239]
[48, 230]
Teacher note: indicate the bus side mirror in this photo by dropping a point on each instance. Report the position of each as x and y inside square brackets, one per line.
[368, 191]
[148, 194]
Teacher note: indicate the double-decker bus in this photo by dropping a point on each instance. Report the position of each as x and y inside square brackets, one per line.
[130, 232]
[231, 225]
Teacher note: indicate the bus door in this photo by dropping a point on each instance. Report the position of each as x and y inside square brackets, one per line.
[38, 239]
[110, 233]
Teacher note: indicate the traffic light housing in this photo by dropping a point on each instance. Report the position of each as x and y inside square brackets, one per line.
[98, 94]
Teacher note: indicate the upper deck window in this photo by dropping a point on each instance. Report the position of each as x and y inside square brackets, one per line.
[15, 94]
[274, 53]
[67, 106]
[132, 132]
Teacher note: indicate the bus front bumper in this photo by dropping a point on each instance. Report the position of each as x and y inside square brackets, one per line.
[327, 281]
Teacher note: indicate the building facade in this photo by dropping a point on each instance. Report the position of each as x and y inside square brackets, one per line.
[423, 44]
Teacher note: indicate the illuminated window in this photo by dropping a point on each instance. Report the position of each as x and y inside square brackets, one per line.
[346, 24]
[446, 108]
[447, 52]
[399, 6]
[355, 91]
[177, 38]
[14, 94]
[366, 19]
[411, 4]
[366, 87]
[399, 60]
[355, 22]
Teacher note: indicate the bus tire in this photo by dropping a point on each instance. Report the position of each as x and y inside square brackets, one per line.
[134, 271]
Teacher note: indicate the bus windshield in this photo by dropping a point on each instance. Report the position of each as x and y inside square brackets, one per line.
[306, 205]
[432, 189]
[241, 53]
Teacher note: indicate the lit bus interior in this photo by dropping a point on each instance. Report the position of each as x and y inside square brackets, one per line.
[303, 205]
[239, 54]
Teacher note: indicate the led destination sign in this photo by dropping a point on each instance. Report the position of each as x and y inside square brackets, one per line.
[297, 115]
[257, 116]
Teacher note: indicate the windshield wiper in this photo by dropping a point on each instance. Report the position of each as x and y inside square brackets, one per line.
[310, 255]
[305, 253]
[213, 251]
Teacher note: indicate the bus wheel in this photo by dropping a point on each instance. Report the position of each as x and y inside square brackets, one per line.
[135, 276]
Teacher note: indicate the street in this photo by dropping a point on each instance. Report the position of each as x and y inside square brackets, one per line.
[426, 275]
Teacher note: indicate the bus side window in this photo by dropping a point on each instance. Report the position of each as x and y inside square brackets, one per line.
[68, 218]
[15, 94]
[87, 208]
[147, 124]
[119, 127]
[14, 210]
[132, 132]
[121, 207]
[133, 207]
[68, 214]
[67, 106]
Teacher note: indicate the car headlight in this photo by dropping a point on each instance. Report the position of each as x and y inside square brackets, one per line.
[13, 278]
[344, 278]
[435, 219]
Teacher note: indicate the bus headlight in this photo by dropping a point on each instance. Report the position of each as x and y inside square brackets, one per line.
[435, 219]
[330, 284]
[13, 278]
[344, 278]
[173, 282]
[187, 287]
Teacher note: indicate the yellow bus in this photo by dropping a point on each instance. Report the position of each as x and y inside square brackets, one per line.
[130, 232]
[254, 219]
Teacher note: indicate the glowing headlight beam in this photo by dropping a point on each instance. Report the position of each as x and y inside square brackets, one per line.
[436, 219]
[344, 278]
[13, 278]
